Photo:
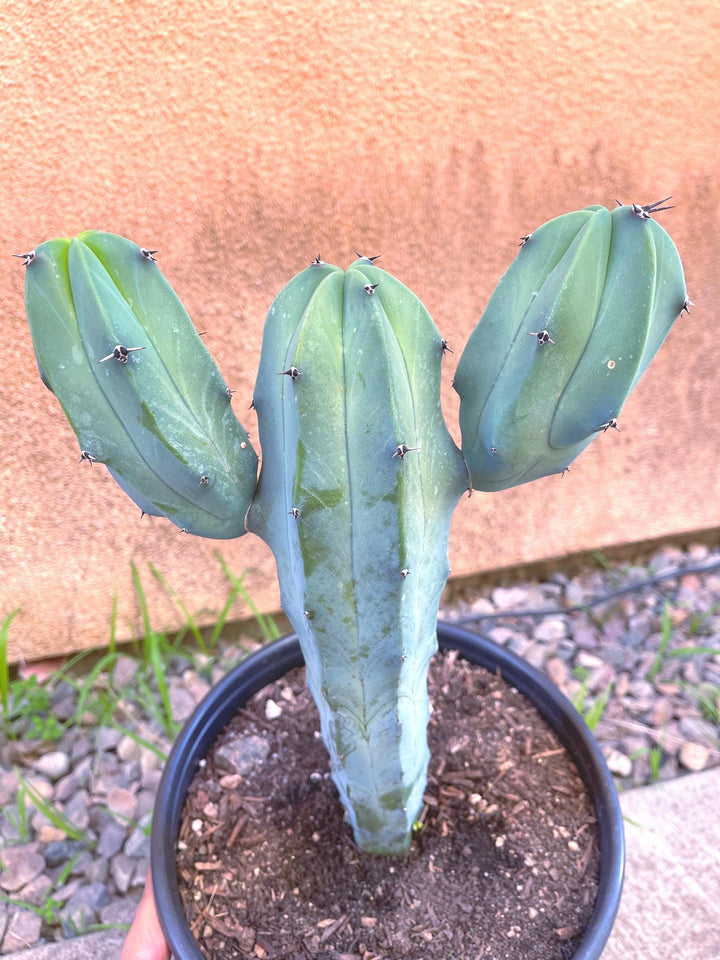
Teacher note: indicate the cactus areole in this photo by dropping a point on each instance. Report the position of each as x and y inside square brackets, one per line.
[359, 475]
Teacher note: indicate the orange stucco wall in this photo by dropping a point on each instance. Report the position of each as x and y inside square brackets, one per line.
[243, 139]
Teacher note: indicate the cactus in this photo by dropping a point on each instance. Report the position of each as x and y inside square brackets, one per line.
[136, 382]
[358, 483]
[359, 474]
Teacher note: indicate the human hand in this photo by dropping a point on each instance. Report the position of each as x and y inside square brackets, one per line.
[145, 939]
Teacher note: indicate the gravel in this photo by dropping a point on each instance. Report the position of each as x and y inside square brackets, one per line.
[643, 667]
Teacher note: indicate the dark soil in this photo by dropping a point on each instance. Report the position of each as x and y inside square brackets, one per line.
[505, 866]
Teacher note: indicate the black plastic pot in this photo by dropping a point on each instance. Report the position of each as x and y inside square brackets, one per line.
[275, 660]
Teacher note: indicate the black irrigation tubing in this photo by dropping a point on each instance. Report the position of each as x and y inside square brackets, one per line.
[673, 574]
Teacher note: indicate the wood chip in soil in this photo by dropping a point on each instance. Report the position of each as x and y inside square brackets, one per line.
[505, 866]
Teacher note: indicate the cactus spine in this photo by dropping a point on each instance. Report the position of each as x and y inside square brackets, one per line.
[358, 483]
[360, 475]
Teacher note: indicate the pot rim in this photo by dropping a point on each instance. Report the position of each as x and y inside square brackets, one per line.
[279, 657]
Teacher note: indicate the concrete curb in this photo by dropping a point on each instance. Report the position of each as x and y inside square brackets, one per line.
[671, 901]
[93, 946]
[670, 908]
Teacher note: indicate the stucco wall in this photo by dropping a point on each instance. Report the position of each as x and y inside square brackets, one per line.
[244, 139]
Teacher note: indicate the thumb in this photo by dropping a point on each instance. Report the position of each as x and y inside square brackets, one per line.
[145, 939]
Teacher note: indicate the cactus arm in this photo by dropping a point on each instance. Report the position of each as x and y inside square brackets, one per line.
[505, 435]
[177, 459]
[603, 289]
[645, 281]
[363, 563]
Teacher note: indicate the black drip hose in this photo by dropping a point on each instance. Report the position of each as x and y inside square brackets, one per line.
[673, 574]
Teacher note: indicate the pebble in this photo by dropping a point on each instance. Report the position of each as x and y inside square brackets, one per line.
[21, 864]
[548, 630]
[241, 754]
[105, 781]
[618, 763]
[182, 702]
[22, 931]
[272, 710]
[53, 765]
[694, 756]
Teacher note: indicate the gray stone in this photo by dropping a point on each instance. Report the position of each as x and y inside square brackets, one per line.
[242, 754]
[129, 749]
[695, 728]
[124, 671]
[600, 678]
[694, 756]
[122, 868]
[81, 747]
[137, 844]
[9, 831]
[502, 635]
[21, 864]
[558, 671]
[67, 786]
[182, 702]
[81, 864]
[145, 801]
[588, 660]
[77, 809]
[53, 765]
[518, 644]
[61, 851]
[118, 911]
[23, 930]
[150, 780]
[536, 654]
[129, 776]
[98, 870]
[661, 712]
[67, 890]
[112, 837]
[196, 685]
[94, 894]
[76, 918]
[141, 872]
[37, 890]
[618, 763]
[122, 803]
[107, 738]
[549, 630]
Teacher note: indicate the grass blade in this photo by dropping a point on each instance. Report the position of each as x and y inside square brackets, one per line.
[4, 666]
[191, 625]
[267, 625]
[55, 816]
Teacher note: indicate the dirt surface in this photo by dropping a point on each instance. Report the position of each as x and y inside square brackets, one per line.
[505, 866]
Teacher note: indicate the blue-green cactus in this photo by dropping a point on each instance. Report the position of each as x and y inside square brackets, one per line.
[136, 382]
[359, 475]
[358, 483]
[568, 332]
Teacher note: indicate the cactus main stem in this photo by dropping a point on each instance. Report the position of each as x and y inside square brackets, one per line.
[358, 484]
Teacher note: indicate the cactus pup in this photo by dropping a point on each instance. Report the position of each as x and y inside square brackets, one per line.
[359, 474]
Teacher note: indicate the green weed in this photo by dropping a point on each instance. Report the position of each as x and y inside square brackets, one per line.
[666, 628]
[55, 816]
[593, 712]
[4, 666]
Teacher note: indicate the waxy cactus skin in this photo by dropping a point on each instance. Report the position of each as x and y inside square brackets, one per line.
[137, 384]
[358, 484]
[359, 476]
[566, 335]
